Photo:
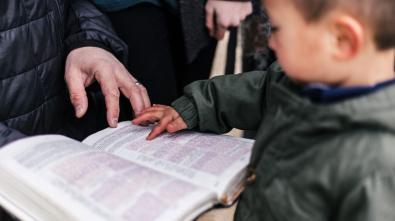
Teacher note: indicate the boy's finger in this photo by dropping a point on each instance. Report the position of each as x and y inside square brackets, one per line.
[161, 126]
[176, 125]
[149, 116]
[144, 123]
[151, 109]
[159, 105]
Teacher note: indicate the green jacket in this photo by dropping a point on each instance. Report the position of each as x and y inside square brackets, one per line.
[312, 162]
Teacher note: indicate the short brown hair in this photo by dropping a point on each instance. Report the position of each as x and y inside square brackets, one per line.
[378, 14]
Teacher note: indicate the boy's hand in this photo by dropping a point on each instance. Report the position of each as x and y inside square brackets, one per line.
[168, 117]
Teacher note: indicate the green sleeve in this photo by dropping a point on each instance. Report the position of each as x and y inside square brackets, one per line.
[372, 199]
[225, 102]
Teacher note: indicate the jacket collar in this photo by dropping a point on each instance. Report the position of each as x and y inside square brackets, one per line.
[374, 109]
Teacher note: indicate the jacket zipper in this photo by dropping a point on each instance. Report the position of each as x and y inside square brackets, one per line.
[60, 21]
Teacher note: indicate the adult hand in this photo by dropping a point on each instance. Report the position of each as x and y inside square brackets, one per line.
[169, 119]
[220, 15]
[88, 64]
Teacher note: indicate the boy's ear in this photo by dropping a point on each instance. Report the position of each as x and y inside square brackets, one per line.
[349, 36]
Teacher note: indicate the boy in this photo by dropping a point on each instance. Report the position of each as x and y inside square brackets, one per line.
[325, 146]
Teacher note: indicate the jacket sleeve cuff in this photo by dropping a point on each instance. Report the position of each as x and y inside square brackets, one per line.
[88, 43]
[187, 110]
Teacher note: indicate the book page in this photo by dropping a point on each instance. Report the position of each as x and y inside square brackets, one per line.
[87, 184]
[211, 161]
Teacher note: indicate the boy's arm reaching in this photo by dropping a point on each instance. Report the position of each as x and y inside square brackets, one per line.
[221, 103]
[232, 101]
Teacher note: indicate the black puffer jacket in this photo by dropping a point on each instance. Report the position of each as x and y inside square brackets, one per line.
[35, 38]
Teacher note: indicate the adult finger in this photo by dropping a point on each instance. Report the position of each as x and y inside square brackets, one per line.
[210, 24]
[176, 125]
[220, 31]
[76, 86]
[111, 95]
[137, 95]
[222, 24]
[146, 102]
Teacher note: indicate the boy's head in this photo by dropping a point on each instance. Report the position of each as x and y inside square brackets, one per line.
[336, 42]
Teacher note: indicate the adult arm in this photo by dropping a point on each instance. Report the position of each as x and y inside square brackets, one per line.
[94, 52]
[8, 135]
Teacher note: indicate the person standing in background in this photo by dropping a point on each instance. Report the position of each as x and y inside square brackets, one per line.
[172, 43]
[49, 52]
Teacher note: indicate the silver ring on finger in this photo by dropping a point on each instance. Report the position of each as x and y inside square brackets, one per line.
[138, 83]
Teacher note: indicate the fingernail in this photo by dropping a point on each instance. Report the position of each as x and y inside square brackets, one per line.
[78, 110]
[115, 121]
[171, 126]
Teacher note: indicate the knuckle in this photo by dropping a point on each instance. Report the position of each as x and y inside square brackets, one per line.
[114, 92]
[150, 113]
[104, 67]
[115, 109]
[106, 64]
[135, 89]
[143, 89]
[76, 97]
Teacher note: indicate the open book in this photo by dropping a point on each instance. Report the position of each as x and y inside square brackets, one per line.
[116, 174]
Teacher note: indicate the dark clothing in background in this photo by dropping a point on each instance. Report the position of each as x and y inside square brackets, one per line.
[35, 40]
[192, 17]
[157, 52]
[167, 50]
[173, 6]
